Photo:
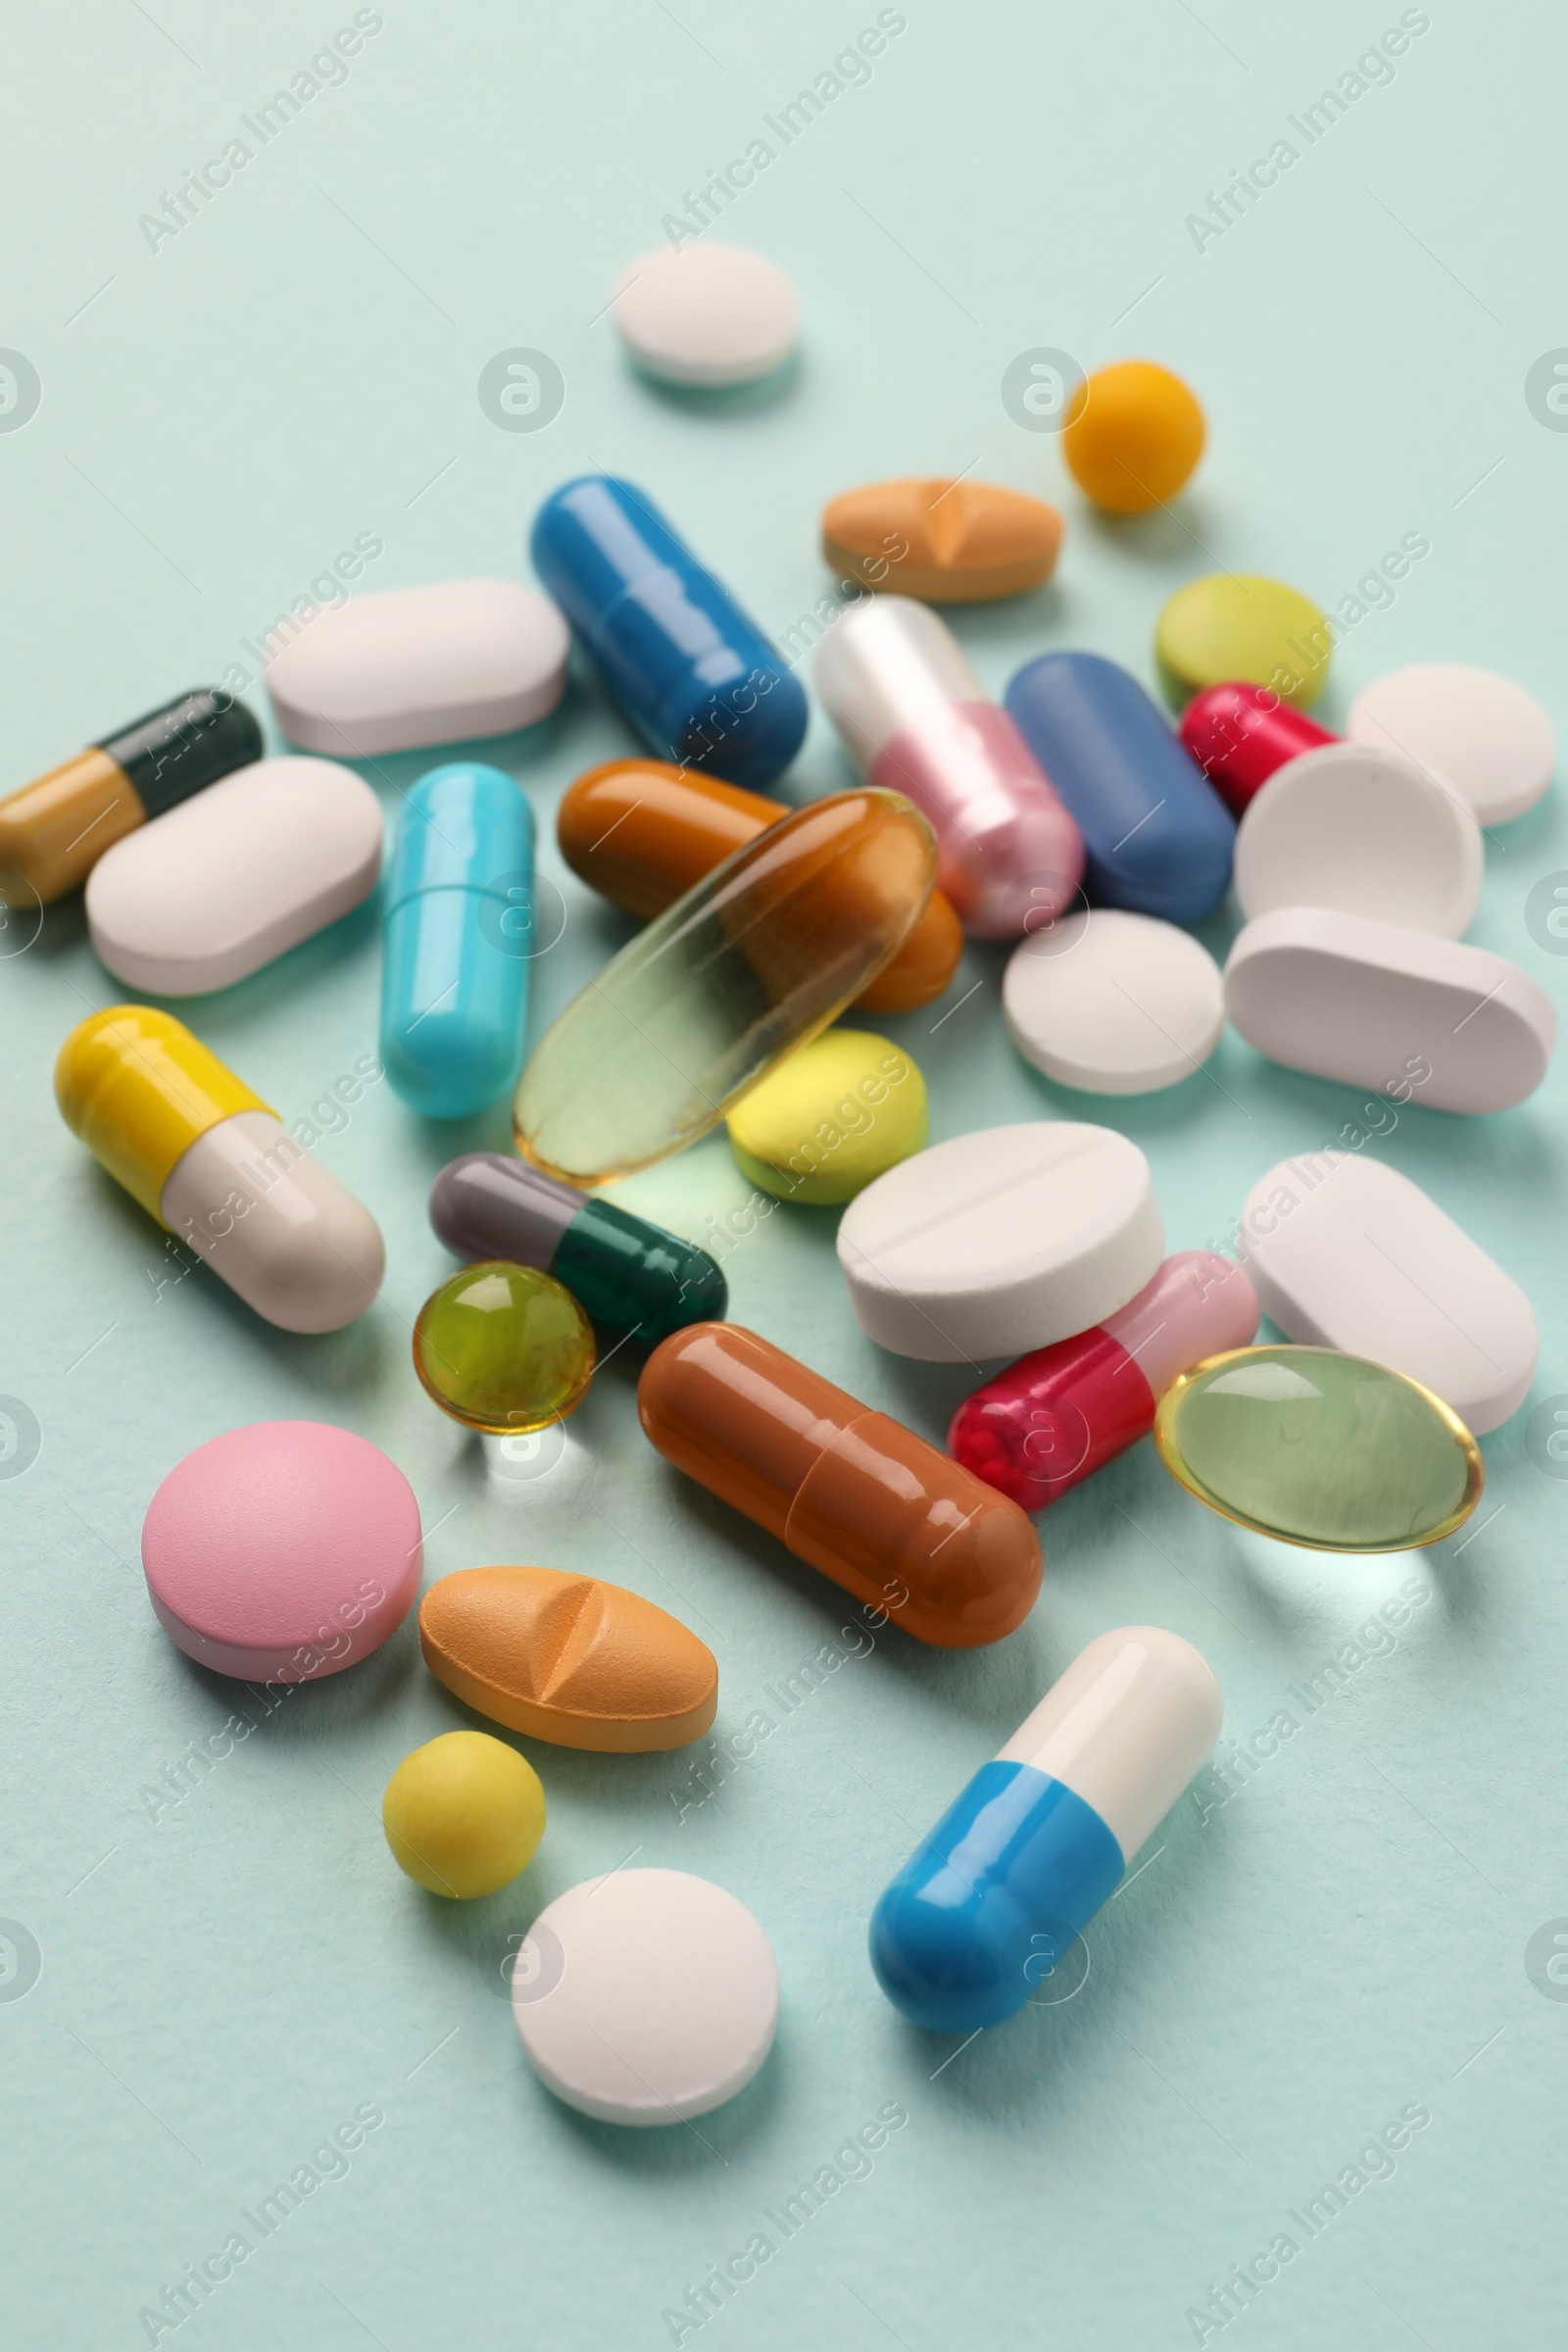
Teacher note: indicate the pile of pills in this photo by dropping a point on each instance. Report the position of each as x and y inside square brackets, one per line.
[1069, 821]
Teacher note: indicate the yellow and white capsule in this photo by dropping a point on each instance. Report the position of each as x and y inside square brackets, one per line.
[216, 1165]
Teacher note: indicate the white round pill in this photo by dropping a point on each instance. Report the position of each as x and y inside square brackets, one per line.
[1112, 1003]
[996, 1243]
[1364, 831]
[648, 1996]
[1474, 730]
[707, 314]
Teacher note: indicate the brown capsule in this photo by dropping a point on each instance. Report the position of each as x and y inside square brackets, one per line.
[945, 542]
[642, 833]
[903, 1527]
[569, 1658]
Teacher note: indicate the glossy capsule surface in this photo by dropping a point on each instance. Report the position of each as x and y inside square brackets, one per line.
[691, 669]
[459, 940]
[216, 1165]
[1157, 839]
[758, 957]
[642, 833]
[1239, 734]
[504, 1349]
[54, 830]
[847, 1489]
[629, 1274]
[915, 718]
[1320, 1450]
[1052, 1419]
[989, 1904]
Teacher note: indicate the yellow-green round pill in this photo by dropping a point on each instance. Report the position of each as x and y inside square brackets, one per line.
[464, 1814]
[830, 1118]
[1225, 629]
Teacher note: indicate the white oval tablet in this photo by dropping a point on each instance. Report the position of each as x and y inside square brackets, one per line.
[1421, 1019]
[1345, 1253]
[996, 1243]
[1112, 1003]
[235, 875]
[644, 1997]
[707, 314]
[419, 665]
[1478, 732]
[1364, 831]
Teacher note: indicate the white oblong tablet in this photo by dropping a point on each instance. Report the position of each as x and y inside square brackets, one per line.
[1112, 1003]
[648, 1996]
[996, 1243]
[1364, 831]
[417, 665]
[705, 315]
[1472, 729]
[1344, 1252]
[1420, 1019]
[234, 876]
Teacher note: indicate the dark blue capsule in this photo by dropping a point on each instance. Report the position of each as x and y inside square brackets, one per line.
[1157, 839]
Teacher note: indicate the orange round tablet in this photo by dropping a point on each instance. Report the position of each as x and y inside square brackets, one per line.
[1133, 435]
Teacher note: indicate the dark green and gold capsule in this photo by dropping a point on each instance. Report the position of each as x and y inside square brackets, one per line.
[630, 1275]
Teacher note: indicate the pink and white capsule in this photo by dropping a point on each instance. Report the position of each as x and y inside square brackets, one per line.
[915, 718]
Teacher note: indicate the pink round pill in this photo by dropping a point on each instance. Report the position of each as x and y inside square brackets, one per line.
[282, 1552]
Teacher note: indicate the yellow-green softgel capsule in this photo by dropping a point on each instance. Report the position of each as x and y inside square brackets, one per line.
[464, 1814]
[1320, 1448]
[1217, 631]
[503, 1347]
[829, 1118]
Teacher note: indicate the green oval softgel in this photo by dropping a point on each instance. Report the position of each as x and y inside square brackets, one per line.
[503, 1347]
[1319, 1449]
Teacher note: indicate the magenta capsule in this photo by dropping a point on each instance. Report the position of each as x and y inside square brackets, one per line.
[1054, 1416]
[1240, 734]
[915, 718]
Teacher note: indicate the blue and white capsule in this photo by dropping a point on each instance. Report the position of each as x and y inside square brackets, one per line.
[1157, 839]
[460, 938]
[980, 1914]
[691, 669]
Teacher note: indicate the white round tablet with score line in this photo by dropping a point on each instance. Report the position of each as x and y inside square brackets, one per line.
[1003, 1241]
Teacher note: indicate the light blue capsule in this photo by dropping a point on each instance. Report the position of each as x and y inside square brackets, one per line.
[460, 937]
[985, 1911]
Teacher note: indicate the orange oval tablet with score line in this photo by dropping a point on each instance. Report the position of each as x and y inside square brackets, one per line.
[944, 541]
[569, 1658]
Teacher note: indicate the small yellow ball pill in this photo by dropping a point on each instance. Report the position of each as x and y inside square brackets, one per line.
[464, 1814]
[1133, 435]
[830, 1118]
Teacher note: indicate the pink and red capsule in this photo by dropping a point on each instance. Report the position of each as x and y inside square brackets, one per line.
[1055, 1416]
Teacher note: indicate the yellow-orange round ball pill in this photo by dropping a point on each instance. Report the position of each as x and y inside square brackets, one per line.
[464, 1814]
[1133, 435]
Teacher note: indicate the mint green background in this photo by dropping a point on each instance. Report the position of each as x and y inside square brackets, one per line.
[1334, 1943]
